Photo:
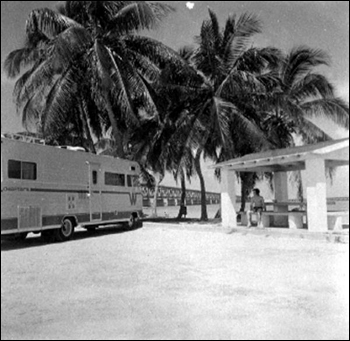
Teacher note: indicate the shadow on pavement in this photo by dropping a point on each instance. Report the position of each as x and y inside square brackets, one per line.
[35, 240]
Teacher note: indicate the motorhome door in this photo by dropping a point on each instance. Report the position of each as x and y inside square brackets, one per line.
[95, 181]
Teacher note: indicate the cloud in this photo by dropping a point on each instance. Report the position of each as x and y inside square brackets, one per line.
[190, 5]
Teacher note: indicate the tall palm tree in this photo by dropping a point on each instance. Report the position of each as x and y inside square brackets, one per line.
[87, 59]
[267, 97]
[231, 72]
[160, 145]
[304, 95]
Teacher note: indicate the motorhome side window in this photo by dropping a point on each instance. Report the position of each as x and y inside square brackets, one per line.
[114, 179]
[22, 170]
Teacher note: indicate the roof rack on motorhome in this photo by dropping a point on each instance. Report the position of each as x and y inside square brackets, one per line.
[23, 138]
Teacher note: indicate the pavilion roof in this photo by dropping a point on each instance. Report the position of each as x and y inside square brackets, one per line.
[335, 153]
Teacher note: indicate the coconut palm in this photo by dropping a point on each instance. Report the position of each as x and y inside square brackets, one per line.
[86, 59]
[232, 74]
[161, 145]
[261, 88]
[303, 96]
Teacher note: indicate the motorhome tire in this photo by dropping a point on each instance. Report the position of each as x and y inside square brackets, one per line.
[133, 221]
[48, 236]
[65, 232]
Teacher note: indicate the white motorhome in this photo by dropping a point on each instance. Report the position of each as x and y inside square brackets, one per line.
[52, 190]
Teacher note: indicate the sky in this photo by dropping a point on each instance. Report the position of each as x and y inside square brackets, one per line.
[286, 24]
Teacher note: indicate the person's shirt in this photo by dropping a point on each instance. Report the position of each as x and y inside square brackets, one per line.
[257, 201]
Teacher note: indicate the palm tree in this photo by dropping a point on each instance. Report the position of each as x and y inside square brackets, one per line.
[303, 95]
[86, 59]
[160, 145]
[231, 71]
[290, 109]
[267, 97]
[150, 143]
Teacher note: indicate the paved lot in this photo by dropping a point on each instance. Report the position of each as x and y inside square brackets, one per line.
[158, 283]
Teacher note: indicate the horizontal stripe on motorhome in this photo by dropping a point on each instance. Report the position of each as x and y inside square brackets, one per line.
[9, 224]
[110, 192]
[45, 190]
[96, 216]
[113, 215]
[56, 220]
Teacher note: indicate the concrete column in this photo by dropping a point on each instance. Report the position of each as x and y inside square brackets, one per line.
[228, 198]
[281, 195]
[316, 191]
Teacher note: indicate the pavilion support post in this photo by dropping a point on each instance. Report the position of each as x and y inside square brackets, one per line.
[316, 190]
[281, 195]
[228, 198]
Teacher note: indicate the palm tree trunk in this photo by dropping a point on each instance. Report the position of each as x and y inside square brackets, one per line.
[248, 183]
[155, 197]
[86, 127]
[117, 135]
[197, 163]
[183, 193]
[243, 196]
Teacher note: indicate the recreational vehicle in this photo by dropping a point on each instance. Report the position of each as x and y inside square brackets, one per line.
[52, 190]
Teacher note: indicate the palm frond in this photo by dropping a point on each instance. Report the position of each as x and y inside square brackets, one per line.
[60, 103]
[138, 15]
[160, 54]
[31, 112]
[243, 127]
[228, 34]
[215, 28]
[240, 82]
[19, 85]
[40, 76]
[78, 11]
[144, 65]
[93, 116]
[111, 76]
[33, 50]
[310, 132]
[19, 59]
[70, 47]
[220, 120]
[187, 52]
[48, 22]
[206, 57]
[247, 25]
[149, 96]
[312, 86]
[258, 60]
[271, 82]
[300, 62]
[334, 109]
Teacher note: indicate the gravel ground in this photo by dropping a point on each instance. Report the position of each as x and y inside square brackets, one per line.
[158, 283]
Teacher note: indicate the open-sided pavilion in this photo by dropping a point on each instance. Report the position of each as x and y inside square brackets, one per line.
[311, 159]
